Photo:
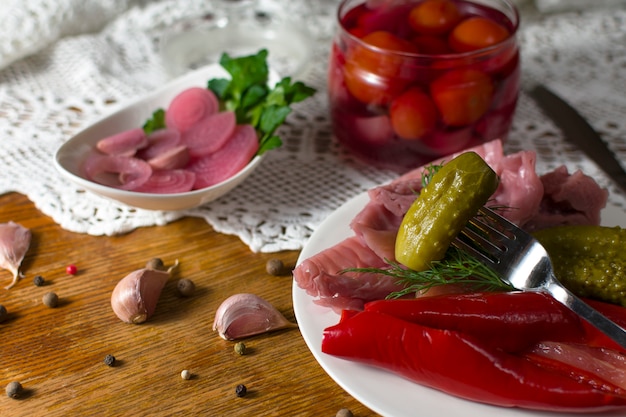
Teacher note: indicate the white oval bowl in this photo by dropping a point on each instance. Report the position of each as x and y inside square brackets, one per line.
[71, 155]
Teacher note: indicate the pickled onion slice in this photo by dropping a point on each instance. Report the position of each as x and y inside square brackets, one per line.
[124, 143]
[159, 141]
[189, 107]
[173, 158]
[228, 160]
[210, 134]
[168, 181]
[603, 363]
[123, 172]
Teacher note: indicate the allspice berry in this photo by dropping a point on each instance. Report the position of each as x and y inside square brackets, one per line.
[344, 412]
[185, 287]
[50, 299]
[156, 264]
[275, 267]
[240, 348]
[14, 389]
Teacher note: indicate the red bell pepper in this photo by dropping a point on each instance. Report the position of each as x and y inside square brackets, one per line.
[613, 312]
[512, 321]
[460, 364]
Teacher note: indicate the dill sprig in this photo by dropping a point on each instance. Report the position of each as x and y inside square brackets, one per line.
[429, 171]
[457, 267]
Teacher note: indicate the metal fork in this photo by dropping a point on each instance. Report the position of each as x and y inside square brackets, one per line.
[522, 261]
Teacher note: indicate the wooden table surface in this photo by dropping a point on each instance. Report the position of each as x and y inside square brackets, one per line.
[58, 353]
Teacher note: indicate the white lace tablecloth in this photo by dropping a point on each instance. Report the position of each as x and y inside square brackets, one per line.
[66, 63]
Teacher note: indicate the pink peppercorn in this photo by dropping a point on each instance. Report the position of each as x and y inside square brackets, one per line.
[71, 269]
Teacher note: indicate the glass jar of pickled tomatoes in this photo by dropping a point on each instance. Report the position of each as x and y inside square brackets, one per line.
[411, 81]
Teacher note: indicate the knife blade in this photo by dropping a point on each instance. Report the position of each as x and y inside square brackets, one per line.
[578, 131]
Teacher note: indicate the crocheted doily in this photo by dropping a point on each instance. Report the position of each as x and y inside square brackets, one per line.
[67, 63]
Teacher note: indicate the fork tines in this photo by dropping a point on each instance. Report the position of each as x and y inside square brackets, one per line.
[485, 236]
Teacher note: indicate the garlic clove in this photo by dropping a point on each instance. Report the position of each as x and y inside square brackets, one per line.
[135, 297]
[14, 243]
[243, 315]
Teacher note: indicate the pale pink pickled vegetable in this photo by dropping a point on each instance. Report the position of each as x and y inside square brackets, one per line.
[174, 158]
[14, 243]
[209, 134]
[375, 130]
[159, 142]
[189, 107]
[126, 173]
[228, 160]
[199, 139]
[168, 181]
[124, 143]
[604, 363]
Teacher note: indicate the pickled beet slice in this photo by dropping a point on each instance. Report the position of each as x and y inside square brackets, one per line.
[228, 160]
[168, 181]
[125, 143]
[123, 172]
[159, 142]
[209, 134]
[189, 107]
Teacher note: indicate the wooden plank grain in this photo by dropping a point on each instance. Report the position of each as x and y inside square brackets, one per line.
[58, 353]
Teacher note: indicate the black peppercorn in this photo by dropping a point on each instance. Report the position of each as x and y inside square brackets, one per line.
[14, 389]
[185, 287]
[3, 313]
[39, 280]
[109, 360]
[241, 390]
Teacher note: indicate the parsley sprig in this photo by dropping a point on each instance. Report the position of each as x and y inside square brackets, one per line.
[248, 95]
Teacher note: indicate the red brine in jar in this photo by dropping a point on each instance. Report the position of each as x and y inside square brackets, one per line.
[413, 81]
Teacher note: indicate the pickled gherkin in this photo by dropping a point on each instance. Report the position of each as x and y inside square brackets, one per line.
[589, 260]
[454, 195]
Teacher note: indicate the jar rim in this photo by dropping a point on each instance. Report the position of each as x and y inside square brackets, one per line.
[488, 50]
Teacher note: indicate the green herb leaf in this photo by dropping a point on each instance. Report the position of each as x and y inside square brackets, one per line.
[272, 117]
[156, 122]
[270, 143]
[429, 171]
[218, 86]
[246, 71]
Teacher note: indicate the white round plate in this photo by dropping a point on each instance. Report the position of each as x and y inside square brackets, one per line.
[70, 156]
[379, 390]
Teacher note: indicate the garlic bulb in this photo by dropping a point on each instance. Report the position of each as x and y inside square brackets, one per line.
[14, 243]
[243, 315]
[135, 297]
